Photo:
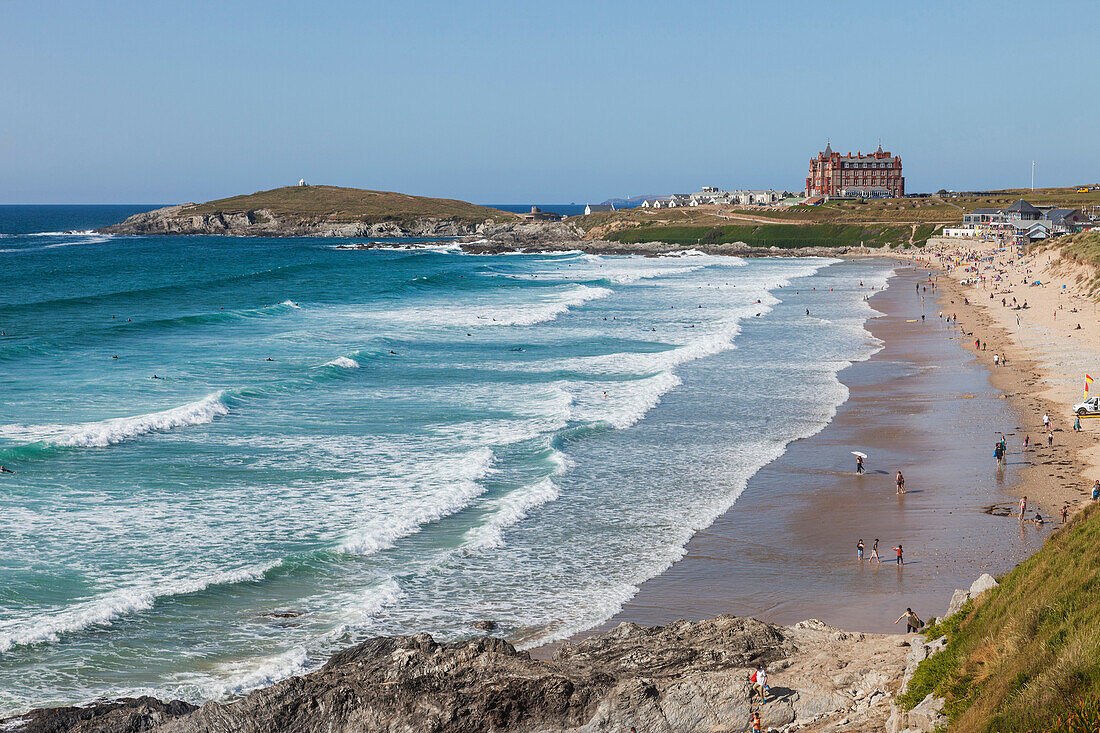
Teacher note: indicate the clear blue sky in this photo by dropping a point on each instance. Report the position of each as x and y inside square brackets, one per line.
[501, 102]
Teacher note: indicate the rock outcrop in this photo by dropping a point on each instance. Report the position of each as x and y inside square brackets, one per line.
[961, 595]
[182, 219]
[127, 715]
[678, 677]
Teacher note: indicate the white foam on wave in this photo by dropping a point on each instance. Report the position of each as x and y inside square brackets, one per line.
[631, 277]
[508, 511]
[529, 315]
[382, 531]
[625, 270]
[441, 247]
[517, 253]
[102, 611]
[538, 307]
[343, 362]
[116, 430]
[239, 677]
[626, 402]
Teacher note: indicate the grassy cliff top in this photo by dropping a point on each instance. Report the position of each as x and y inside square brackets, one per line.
[335, 203]
[1025, 656]
[932, 210]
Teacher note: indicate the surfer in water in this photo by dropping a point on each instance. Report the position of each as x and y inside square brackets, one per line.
[5, 469]
[859, 464]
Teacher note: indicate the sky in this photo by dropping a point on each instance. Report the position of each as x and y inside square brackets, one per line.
[550, 102]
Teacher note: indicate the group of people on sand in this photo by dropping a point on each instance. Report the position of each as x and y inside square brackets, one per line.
[899, 481]
[861, 468]
[861, 548]
[1038, 518]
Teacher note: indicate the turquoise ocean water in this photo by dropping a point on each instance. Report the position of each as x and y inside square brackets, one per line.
[346, 443]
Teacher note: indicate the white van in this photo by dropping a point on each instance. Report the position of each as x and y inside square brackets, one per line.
[1088, 408]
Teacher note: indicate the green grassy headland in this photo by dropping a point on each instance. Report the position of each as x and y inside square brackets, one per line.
[335, 203]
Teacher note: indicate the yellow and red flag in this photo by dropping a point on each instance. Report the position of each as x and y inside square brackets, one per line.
[1088, 381]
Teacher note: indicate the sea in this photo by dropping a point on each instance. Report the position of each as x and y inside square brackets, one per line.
[236, 456]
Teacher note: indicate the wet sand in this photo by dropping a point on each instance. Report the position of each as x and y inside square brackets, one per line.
[786, 550]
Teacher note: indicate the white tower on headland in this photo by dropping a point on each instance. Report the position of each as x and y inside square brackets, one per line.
[301, 181]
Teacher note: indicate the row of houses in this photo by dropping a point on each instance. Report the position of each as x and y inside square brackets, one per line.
[1021, 221]
[713, 195]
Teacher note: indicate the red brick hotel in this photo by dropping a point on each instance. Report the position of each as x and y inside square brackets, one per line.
[875, 175]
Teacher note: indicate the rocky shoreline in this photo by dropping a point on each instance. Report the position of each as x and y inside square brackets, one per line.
[488, 237]
[678, 677]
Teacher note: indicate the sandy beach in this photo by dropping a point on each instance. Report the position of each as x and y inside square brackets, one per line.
[1050, 345]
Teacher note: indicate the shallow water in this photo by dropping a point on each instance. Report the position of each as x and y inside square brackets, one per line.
[354, 442]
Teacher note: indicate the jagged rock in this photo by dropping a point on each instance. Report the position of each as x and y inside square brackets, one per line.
[917, 654]
[678, 677]
[927, 715]
[982, 584]
[126, 715]
[485, 625]
[898, 720]
[958, 600]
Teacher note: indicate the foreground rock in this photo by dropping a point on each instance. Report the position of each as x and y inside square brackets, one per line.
[680, 677]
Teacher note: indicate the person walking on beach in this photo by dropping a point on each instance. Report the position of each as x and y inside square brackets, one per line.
[1065, 513]
[874, 553]
[1046, 420]
[1027, 441]
[859, 549]
[1096, 491]
[912, 621]
[1077, 424]
[1050, 439]
[859, 464]
[898, 551]
[1023, 507]
[755, 722]
[900, 481]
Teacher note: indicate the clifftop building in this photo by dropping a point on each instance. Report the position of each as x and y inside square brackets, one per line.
[875, 174]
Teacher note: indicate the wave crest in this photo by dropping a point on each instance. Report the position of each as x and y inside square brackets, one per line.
[103, 433]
